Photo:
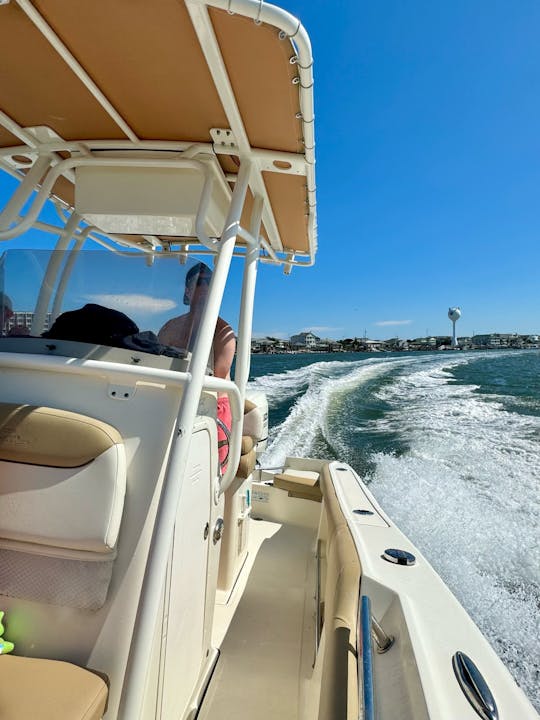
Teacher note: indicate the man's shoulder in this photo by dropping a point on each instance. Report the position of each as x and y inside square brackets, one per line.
[222, 325]
[175, 322]
[171, 327]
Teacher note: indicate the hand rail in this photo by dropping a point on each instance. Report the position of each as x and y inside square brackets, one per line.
[54, 363]
[364, 646]
[237, 410]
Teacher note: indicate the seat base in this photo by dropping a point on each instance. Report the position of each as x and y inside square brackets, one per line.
[36, 689]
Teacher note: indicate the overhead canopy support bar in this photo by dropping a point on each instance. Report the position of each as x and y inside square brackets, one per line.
[51, 274]
[16, 130]
[290, 27]
[243, 355]
[46, 30]
[10, 213]
[210, 47]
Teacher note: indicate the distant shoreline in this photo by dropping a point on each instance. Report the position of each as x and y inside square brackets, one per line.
[393, 350]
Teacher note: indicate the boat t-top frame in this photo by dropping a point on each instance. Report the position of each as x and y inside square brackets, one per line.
[234, 214]
[221, 165]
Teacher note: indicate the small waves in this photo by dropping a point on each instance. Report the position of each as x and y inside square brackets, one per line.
[466, 493]
[450, 446]
[312, 393]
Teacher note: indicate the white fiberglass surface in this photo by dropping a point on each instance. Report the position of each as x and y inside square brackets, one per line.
[449, 445]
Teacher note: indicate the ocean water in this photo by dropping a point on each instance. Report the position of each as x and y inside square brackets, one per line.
[450, 446]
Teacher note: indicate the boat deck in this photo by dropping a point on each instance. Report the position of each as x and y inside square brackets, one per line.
[267, 629]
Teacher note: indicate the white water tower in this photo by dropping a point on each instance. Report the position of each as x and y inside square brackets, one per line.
[454, 313]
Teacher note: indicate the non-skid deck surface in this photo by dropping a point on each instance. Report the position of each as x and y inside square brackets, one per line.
[268, 647]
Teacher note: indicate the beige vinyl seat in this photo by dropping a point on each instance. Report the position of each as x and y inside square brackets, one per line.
[35, 689]
[304, 484]
[251, 434]
[62, 488]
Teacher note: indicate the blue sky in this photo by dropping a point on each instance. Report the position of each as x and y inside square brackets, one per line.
[428, 172]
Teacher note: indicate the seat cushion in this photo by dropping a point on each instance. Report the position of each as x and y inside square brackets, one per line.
[247, 464]
[35, 689]
[62, 479]
[51, 437]
[299, 483]
[248, 443]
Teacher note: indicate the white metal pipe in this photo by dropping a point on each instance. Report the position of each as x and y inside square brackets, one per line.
[65, 276]
[245, 323]
[83, 146]
[22, 193]
[91, 231]
[201, 215]
[205, 335]
[246, 235]
[19, 132]
[51, 274]
[269, 249]
[210, 47]
[137, 670]
[265, 157]
[74, 65]
[292, 28]
[80, 366]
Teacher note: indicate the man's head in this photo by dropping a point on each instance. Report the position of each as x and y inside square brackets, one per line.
[198, 276]
[6, 309]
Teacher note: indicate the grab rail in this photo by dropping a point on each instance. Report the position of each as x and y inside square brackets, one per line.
[55, 363]
[364, 645]
[237, 411]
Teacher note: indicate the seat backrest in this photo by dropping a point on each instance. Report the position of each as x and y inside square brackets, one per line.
[62, 487]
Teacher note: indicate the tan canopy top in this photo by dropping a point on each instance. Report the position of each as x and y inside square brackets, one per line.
[125, 75]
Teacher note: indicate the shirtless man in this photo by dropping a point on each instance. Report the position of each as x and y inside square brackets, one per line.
[180, 332]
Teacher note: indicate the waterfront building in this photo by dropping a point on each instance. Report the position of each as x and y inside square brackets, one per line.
[266, 345]
[396, 344]
[25, 318]
[374, 345]
[304, 341]
[496, 340]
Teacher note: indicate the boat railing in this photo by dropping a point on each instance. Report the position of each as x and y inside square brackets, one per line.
[369, 630]
[365, 668]
[119, 371]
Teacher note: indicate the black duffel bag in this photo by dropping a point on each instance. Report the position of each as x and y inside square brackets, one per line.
[93, 324]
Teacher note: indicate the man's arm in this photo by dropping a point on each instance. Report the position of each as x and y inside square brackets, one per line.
[224, 349]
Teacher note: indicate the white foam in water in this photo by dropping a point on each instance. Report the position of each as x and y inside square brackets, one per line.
[465, 491]
[307, 418]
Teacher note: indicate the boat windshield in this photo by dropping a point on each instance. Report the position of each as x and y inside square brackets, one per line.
[124, 299]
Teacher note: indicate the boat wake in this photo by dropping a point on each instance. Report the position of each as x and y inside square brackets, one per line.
[452, 466]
